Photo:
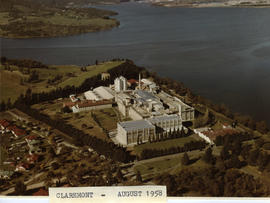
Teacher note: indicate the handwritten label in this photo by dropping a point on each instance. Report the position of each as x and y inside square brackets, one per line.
[132, 194]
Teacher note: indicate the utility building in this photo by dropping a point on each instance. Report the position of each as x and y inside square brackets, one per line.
[120, 84]
[169, 123]
[144, 130]
[135, 132]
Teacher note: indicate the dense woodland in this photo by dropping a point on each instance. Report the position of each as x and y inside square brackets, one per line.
[223, 177]
[151, 153]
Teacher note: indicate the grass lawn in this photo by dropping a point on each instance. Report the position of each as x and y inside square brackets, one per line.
[91, 71]
[11, 86]
[171, 164]
[178, 142]
[107, 118]
[77, 120]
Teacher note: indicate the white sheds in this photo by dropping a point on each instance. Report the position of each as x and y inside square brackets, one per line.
[99, 93]
[104, 92]
[91, 95]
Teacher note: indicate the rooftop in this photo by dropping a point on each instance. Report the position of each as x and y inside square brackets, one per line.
[134, 125]
[164, 118]
[133, 81]
[93, 103]
[4, 123]
[145, 95]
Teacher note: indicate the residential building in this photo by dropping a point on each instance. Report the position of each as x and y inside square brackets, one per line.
[4, 124]
[105, 76]
[73, 98]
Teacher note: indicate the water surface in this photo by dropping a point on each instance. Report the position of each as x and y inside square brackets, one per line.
[220, 53]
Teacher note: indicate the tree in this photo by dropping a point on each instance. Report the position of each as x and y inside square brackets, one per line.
[208, 157]
[3, 106]
[34, 76]
[252, 158]
[119, 175]
[66, 109]
[224, 154]
[20, 188]
[109, 178]
[138, 177]
[219, 140]
[185, 159]
[9, 104]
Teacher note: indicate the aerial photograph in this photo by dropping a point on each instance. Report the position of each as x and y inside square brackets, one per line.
[134, 93]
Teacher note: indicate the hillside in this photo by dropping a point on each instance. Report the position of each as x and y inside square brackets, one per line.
[28, 19]
[16, 79]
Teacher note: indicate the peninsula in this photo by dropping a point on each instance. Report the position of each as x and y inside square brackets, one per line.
[29, 19]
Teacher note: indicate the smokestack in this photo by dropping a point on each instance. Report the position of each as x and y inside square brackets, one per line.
[139, 80]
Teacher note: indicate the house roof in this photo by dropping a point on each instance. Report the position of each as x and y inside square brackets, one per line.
[70, 104]
[32, 157]
[23, 165]
[19, 132]
[41, 192]
[31, 137]
[132, 81]
[93, 103]
[11, 127]
[5, 123]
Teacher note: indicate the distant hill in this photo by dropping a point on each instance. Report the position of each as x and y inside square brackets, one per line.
[210, 3]
[51, 18]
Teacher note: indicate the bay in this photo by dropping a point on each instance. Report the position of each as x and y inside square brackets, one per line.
[222, 54]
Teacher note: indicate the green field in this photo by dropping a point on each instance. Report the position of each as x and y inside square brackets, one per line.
[30, 19]
[169, 164]
[91, 71]
[106, 119]
[12, 87]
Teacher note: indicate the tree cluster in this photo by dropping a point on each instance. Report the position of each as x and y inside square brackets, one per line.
[25, 63]
[212, 182]
[151, 153]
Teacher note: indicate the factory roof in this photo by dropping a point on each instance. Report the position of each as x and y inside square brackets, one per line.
[147, 81]
[90, 103]
[164, 118]
[145, 95]
[104, 92]
[134, 125]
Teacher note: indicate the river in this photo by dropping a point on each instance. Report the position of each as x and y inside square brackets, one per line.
[222, 54]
